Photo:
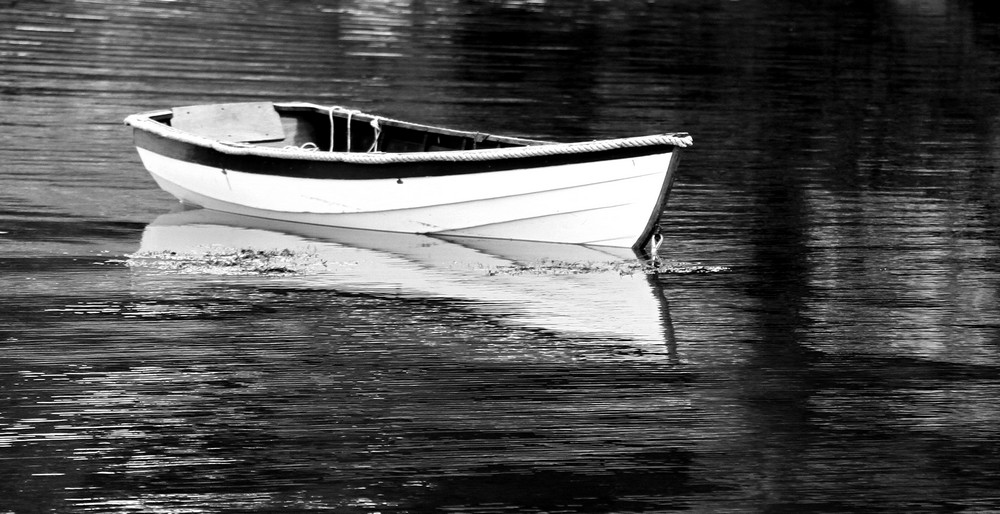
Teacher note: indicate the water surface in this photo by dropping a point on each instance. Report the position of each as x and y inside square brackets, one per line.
[843, 357]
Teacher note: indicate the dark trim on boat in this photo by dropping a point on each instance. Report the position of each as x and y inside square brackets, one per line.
[317, 169]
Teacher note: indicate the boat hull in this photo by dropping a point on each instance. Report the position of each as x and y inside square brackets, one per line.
[602, 203]
[602, 196]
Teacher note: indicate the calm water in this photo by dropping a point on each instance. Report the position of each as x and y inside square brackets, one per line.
[845, 180]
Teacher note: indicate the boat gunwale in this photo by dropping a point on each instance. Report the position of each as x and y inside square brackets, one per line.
[532, 148]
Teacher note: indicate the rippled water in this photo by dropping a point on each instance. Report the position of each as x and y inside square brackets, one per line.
[842, 356]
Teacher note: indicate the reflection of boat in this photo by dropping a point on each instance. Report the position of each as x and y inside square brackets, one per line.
[540, 285]
[336, 167]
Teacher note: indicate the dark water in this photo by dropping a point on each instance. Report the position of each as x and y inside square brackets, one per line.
[845, 173]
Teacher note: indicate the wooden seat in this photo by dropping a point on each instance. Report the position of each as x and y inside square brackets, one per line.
[247, 122]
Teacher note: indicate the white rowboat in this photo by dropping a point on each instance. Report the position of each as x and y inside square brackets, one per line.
[336, 167]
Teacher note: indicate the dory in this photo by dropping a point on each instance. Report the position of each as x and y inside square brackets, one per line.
[339, 167]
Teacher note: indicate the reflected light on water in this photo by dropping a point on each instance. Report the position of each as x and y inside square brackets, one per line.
[846, 175]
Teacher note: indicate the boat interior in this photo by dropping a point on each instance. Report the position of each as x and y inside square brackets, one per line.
[319, 128]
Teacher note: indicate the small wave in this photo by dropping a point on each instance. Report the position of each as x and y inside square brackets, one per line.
[619, 267]
[228, 261]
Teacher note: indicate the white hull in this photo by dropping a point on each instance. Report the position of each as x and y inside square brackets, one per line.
[605, 203]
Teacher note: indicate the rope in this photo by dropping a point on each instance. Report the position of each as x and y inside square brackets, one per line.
[378, 132]
[677, 141]
[309, 147]
[656, 242]
[331, 128]
[350, 114]
[143, 122]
